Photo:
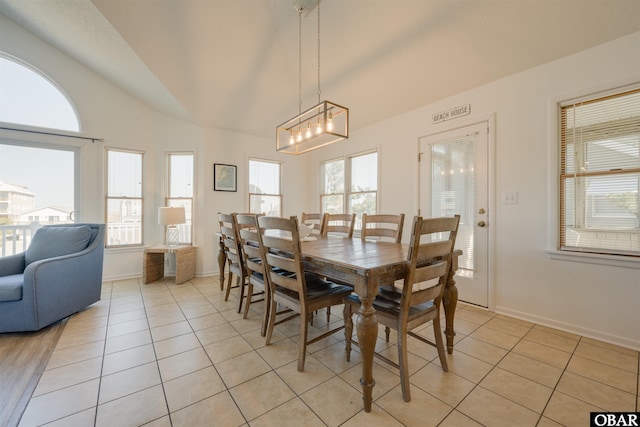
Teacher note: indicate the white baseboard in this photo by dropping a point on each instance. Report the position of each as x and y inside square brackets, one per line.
[127, 276]
[574, 329]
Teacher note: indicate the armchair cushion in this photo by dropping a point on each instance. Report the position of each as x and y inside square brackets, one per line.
[11, 287]
[49, 242]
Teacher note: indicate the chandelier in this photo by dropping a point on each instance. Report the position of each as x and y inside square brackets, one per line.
[320, 125]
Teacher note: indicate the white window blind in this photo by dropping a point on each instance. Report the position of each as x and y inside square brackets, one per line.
[600, 174]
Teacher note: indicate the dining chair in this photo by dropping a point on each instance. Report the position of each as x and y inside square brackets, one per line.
[429, 262]
[313, 220]
[233, 252]
[252, 254]
[338, 224]
[289, 285]
[382, 227]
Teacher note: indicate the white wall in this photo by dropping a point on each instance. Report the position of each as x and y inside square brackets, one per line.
[595, 300]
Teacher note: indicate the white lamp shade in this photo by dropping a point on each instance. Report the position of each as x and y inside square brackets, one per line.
[171, 216]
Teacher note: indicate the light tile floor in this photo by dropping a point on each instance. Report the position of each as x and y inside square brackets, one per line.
[178, 355]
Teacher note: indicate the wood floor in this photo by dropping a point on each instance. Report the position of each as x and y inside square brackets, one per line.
[23, 358]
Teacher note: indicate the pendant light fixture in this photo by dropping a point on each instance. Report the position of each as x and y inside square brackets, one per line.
[320, 125]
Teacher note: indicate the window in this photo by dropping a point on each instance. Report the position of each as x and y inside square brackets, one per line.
[39, 175]
[180, 190]
[29, 98]
[332, 198]
[351, 185]
[265, 194]
[34, 180]
[600, 174]
[124, 198]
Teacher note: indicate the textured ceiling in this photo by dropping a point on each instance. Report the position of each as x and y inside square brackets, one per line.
[233, 64]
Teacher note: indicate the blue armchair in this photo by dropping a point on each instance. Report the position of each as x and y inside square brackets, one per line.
[58, 275]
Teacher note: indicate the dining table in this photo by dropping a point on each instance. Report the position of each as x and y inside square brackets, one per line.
[366, 265]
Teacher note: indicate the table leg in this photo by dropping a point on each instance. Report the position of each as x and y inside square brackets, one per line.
[152, 267]
[450, 300]
[367, 329]
[222, 260]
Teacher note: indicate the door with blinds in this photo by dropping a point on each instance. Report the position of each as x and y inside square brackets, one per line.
[454, 180]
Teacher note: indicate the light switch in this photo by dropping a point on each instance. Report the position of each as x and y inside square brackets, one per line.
[510, 198]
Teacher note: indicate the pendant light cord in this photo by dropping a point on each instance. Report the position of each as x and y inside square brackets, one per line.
[300, 60]
[319, 92]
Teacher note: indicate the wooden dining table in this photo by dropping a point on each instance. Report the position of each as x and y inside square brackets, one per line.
[367, 265]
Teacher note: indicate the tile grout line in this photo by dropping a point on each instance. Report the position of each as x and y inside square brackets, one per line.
[155, 354]
[104, 351]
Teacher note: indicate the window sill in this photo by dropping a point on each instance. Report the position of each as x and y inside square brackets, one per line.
[591, 258]
[126, 249]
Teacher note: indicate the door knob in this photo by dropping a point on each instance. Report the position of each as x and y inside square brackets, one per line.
[482, 224]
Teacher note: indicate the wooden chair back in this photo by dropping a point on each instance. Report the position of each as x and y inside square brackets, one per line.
[281, 250]
[250, 242]
[228, 230]
[382, 227]
[288, 283]
[429, 263]
[432, 243]
[338, 223]
[313, 220]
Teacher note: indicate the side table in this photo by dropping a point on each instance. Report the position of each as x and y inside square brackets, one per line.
[153, 263]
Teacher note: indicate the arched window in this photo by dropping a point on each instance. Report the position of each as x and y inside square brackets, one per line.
[29, 98]
[38, 170]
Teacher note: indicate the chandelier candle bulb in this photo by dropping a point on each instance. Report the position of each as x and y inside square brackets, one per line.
[335, 117]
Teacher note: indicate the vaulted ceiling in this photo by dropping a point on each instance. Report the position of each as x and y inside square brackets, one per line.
[233, 64]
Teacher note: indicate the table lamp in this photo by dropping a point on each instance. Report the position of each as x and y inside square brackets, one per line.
[171, 217]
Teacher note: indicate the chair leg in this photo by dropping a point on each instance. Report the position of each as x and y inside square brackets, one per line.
[328, 314]
[267, 310]
[248, 302]
[348, 329]
[302, 344]
[229, 279]
[241, 284]
[387, 332]
[404, 363]
[272, 319]
[437, 331]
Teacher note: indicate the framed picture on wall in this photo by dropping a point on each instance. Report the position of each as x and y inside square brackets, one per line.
[225, 177]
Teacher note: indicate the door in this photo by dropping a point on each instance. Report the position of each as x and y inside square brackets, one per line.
[454, 180]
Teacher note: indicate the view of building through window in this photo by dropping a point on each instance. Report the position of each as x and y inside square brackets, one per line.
[124, 198]
[359, 176]
[37, 187]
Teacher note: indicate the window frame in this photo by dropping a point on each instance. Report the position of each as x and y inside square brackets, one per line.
[280, 176]
[75, 128]
[599, 254]
[107, 150]
[347, 183]
[179, 201]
